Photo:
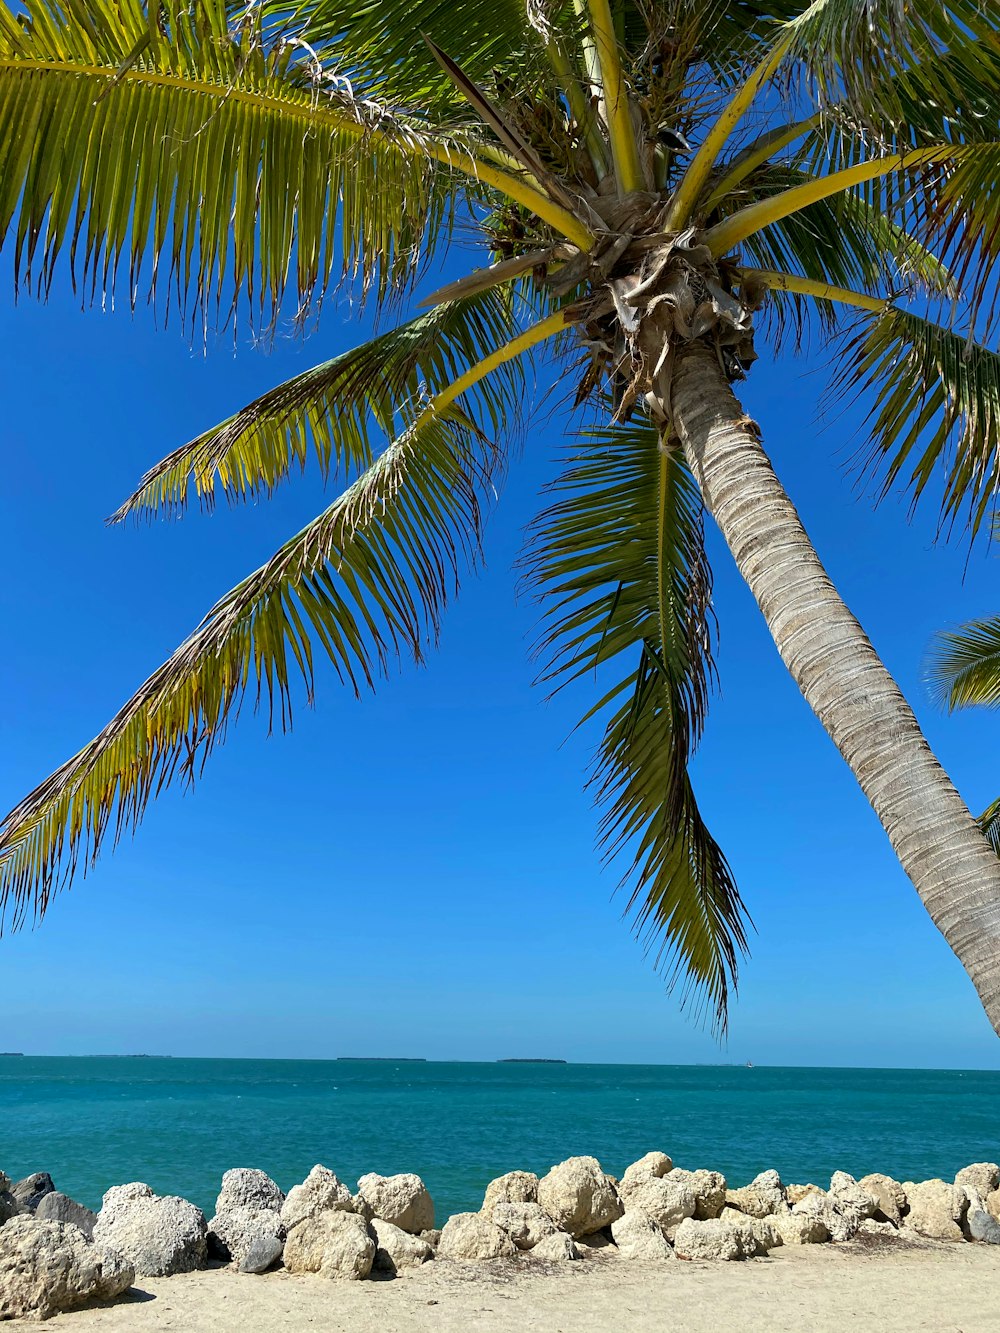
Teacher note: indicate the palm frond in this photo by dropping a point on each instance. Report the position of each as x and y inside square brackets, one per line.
[330, 410]
[192, 141]
[363, 583]
[936, 412]
[989, 822]
[964, 666]
[619, 562]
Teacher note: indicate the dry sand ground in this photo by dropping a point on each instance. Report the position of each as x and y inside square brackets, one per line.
[874, 1286]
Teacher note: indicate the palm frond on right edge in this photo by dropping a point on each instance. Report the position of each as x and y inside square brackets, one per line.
[365, 581]
[619, 563]
[332, 408]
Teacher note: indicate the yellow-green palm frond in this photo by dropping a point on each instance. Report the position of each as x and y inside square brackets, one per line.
[208, 153]
[330, 410]
[619, 563]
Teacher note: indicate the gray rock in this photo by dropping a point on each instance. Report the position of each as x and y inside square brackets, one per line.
[638, 1237]
[525, 1223]
[320, 1192]
[56, 1207]
[261, 1254]
[979, 1224]
[46, 1267]
[8, 1204]
[333, 1244]
[30, 1191]
[397, 1249]
[245, 1187]
[158, 1236]
[514, 1187]
[472, 1236]
[233, 1234]
[402, 1200]
[579, 1197]
[556, 1248]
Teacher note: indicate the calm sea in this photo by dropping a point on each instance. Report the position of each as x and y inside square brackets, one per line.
[178, 1124]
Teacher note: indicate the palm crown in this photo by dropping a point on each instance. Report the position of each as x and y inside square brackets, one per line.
[648, 175]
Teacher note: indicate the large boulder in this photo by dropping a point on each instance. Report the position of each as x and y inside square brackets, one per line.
[46, 1267]
[30, 1191]
[763, 1196]
[244, 1233]
[638, 1237]
[800, 1228]
[979, 1224]
[983, 1177]
[333, 1244]
[820, 1217]
[472, 1236]
[56, 1207]
[320, 1192]
[514, 1187]
[556, 1248]
[708, 1188]
[653, 1164]
[579, 1197]
[397, 1249]
[889, 1196]
[796, 1193]
[716, 1238]
[849, 1201]
[936, 1209]
[158, 1236]
[402, 1200]
[525, 1223]
[992, 1202]
[245, 1187]
[668, 1200]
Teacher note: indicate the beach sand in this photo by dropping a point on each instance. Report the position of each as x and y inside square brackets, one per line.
[895, 1285]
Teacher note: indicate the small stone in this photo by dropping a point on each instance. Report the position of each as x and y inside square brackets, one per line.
[262, 1253]
[397, 1249]
[30, 1191]
[472, 1236]
[579, 1197]
[402, 1200]
[56, 1207]
[320, 1192]
[514, 1187]
[333, 1244]
[525, 1223]
[556, 1248]
[638, 1237]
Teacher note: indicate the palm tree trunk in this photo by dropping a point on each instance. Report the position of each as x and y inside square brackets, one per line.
[831, 659]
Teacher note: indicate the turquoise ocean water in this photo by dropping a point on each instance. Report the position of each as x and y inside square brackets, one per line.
[178, 1124]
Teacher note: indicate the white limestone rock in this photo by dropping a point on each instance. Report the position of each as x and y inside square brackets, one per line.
[48, 1266]
[579, 1197]
[978, 1223]
[850, 1202]
[245, 1187]
[652, 1164]
[242, 1230]
[800, 1228]
[983, 1177]
[332, 1244]
[763, 1196]
[889, 1196]
[870, 1227]
[320, 1192]
[157, 1235]
[719, 1238]
[708, 1188]
[402, 1200]
[514, 1187]
[396, 1249]
[525, 1223]
[796, 1193]
[557, 1248]
[936, 1209]
[638, 1237]
[472, 1236]
[668, 1200]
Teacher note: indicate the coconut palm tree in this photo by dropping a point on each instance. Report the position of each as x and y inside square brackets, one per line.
[666, 189]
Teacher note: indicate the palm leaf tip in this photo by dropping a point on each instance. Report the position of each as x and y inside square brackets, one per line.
[619, 564]
[964, 665]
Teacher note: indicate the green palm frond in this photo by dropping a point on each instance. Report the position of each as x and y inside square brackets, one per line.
[936, 413]
[223, 159]
[330, 410]
[989, 822]
[619, 562]
[964, 667]
[363, 583]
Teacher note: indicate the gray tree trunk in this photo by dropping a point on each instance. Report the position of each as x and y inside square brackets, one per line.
[831, 659]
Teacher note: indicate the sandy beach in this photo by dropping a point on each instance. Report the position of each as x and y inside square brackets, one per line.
[897, 1285]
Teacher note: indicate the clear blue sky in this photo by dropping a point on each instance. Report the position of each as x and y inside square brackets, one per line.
[415, 874]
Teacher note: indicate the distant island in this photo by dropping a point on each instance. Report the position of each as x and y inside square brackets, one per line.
[385, 1059]
[530, 1060]
[7, 1053]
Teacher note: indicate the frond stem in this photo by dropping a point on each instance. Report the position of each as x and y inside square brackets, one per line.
[624, 149]
[822, 291]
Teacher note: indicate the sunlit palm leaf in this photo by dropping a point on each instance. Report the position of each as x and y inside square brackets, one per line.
[964, 668]
[211, 155]
[619, 561]
[363, 583]
[330, 410]
[936, 412]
